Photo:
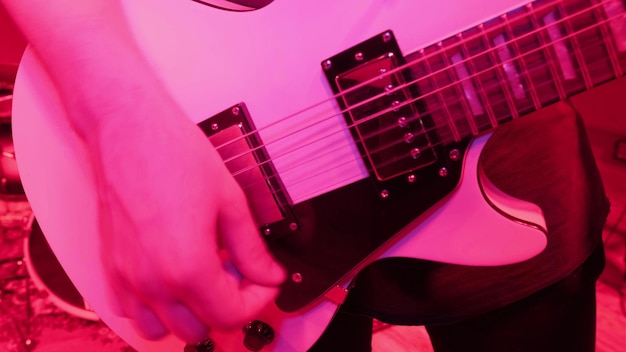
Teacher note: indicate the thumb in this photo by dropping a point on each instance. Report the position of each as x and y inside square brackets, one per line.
[247, 251]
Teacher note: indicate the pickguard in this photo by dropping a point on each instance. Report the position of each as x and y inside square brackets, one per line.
[342, 228]
[322, 239]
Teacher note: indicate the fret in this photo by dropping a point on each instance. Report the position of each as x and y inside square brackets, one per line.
[616, 9]
[430, 99]
[577, 78]
[512, 48]
[494, 79]
[616, 30]
[527, 40]
[581, 59]
[464, 93]
[465, 89]
[456, 94]
[560, 48]
[482, 68]
[558, 54]
[448, 99]
[518, 63]
[600, 15]
[514, 67]
[590, 41]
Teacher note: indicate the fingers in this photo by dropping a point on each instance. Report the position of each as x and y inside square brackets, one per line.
[248, 252]
[146, 321]
[231, 302]
[155, 314]
[220, 296]
[181, 284]
[212, 294]
[181, 321]
[127, 304]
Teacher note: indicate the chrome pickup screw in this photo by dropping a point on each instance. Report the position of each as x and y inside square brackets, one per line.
[296, 277]
[402, 122]
[395, 104]
[455, 154]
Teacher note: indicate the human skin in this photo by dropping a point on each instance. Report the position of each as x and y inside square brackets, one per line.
[168, 251]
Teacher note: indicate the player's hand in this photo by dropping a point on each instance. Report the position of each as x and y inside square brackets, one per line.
[181, 251]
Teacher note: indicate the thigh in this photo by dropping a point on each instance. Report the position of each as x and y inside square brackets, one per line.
[560, 317]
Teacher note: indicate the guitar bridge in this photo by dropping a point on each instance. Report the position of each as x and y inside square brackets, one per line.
[391, 131]
[234, 135]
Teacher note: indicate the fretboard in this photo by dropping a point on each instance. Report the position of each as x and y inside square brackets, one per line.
[519, 62]
[402, 109]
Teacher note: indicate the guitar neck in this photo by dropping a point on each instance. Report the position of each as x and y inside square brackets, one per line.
[518, 63]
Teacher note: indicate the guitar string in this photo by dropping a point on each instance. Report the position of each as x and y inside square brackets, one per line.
[435, 127]
[403, 67]
[320, 171]
[421, 97]
[435, 91]
[328, 151]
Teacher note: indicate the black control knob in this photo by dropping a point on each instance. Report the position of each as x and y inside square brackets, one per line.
[204, 346]
[257, 335]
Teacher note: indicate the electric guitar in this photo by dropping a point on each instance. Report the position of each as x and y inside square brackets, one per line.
[354, 127]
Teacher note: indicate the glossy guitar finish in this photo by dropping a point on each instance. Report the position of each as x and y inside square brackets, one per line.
[271, 60]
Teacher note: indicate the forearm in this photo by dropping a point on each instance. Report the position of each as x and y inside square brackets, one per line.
[89, 51]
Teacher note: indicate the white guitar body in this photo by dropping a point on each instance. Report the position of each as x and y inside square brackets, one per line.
[269, 59]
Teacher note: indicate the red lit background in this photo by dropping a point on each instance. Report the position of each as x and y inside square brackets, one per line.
[604, 112]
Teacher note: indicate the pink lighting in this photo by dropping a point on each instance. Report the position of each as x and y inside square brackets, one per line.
[316, 114]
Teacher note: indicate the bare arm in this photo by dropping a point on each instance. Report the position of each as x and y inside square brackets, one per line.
[88, 49]
[163, 261]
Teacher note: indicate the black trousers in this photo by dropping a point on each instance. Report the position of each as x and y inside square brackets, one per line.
[560, 317]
